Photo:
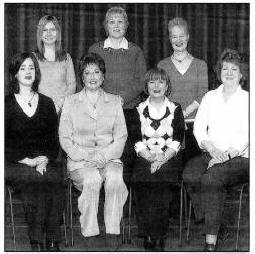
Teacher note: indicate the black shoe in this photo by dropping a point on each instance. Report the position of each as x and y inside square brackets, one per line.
[36, 246]
[112, 242]
[149, 244]
[210, 247]
[223, 233]
[52, 246]
[160, 244]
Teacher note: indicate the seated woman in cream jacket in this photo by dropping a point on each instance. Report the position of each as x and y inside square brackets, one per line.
[93, 134]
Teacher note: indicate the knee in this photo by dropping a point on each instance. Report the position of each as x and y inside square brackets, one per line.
[114, 179]
[92, 182]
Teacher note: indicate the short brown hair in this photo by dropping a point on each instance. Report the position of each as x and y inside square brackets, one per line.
[157, 74]
[229, 56]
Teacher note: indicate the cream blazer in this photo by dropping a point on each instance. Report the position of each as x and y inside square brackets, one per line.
[84, 129]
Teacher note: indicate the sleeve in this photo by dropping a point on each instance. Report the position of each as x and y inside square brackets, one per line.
[178, 129]
[140, 69]
[70, 83]
[202, 81]
[241, 140]
[70, 76]
[201, 121]
[52, 141]
[115, 149]
[66, 131]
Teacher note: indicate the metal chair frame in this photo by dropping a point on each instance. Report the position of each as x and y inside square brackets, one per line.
[240, 190]
[10, 195]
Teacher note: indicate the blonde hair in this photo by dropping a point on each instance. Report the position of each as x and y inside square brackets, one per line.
[115, 10]
[59, 53]
[177, 21]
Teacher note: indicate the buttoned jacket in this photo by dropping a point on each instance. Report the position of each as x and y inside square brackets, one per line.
[85, 129]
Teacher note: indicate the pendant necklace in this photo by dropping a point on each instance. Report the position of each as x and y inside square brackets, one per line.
[180, 60]
[29, 102]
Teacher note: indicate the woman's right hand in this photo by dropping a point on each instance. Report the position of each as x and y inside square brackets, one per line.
[147, 155]
[218, 155]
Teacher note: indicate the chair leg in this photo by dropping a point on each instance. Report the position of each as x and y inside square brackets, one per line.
[71, 212]
[187, 234]
[129, 214]
[123, 230]
[185, 207]
[65, 231]
[239, 216]
[12, 218]
[181, 209]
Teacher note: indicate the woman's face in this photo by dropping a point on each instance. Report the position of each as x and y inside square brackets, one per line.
[116, 26]
[179, 38]
[49, 34]
[26, 73]
[230, 74]
[92, 77]
[157, 88]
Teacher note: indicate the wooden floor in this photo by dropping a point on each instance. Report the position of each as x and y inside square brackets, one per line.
[195, 244]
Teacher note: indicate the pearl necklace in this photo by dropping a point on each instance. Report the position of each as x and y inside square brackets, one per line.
[180, 60]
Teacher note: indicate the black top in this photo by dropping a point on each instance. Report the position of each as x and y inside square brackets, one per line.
[30, 136]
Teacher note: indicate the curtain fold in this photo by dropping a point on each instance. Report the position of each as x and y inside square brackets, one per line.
[213, 27]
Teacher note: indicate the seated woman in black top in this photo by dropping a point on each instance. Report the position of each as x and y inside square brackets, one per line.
[157, 136]
[31, 146]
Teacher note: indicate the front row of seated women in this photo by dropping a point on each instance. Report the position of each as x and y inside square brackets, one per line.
[93, 133]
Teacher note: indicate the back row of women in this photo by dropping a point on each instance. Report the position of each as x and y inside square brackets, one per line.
[92, 131]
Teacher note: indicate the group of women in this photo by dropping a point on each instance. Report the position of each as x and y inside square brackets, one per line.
[43, 110]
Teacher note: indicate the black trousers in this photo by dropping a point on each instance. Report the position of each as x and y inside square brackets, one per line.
[42, 197]
[208, 188]
[152, 194]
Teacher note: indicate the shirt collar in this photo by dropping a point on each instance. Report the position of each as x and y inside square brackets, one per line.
[123, 44]
[220, 90]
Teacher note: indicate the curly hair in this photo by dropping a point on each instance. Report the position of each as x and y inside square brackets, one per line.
[14, 67]
[229, 56]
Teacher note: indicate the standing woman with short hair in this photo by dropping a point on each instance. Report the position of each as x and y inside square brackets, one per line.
[58, 77]
[189, 78]
[124, 60]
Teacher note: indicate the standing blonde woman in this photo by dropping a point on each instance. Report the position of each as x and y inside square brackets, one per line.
[124, 60]
[58, 77]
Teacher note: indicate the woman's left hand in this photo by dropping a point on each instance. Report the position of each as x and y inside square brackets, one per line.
[232, 152]
[41, 168]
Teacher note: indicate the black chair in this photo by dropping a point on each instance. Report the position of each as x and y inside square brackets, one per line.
[239, 189]
[10, 192]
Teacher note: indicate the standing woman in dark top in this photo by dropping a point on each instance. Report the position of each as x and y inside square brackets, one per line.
[157, 133]
[31, 146]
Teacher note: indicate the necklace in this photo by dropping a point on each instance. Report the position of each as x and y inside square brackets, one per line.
[180, 60]
[29, 102]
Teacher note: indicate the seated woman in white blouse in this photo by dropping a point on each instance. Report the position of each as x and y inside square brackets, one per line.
[157, 136]
[222, 131]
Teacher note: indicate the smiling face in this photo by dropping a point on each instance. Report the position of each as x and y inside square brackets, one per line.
[230, 74]
[157, 88]
[116, 26]
[92, 77]
[179, 38]
[26, 73]
[49, 34]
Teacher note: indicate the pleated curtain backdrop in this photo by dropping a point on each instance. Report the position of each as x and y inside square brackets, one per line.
[213, 27]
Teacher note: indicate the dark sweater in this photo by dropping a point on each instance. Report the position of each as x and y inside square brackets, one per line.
[125, 69]
[30, 136]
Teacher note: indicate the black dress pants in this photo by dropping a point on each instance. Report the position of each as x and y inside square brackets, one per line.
[42, 197]
[152, 194]
[208, 187]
